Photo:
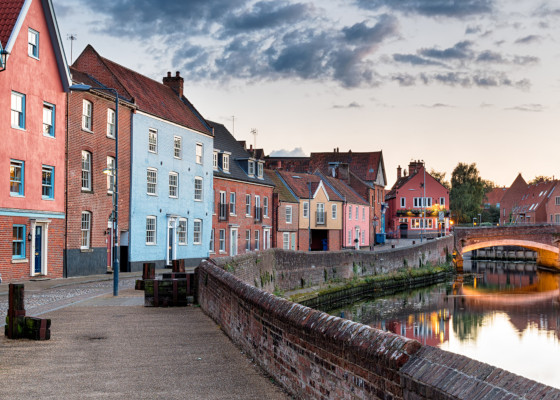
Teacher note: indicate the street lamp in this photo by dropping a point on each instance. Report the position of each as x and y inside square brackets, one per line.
[115, 214]
[3, 59]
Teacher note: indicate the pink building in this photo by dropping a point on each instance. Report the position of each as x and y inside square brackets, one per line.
[418, 205]
[32, 156]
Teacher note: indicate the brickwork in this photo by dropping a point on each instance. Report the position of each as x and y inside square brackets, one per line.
[316, 356]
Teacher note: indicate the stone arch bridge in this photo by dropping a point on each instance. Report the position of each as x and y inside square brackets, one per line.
[544, 239]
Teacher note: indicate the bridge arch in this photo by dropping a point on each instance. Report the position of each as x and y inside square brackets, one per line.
[528, 244]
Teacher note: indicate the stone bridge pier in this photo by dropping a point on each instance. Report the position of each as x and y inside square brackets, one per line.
[544, 239]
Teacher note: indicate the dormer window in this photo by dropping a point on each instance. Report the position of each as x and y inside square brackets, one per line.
[251, 168]
[225, 162]
[215, 160]
[260, 170]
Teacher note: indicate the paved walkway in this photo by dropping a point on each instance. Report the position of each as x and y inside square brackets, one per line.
[115, 348]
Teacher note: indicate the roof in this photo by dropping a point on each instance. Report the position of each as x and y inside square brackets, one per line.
[284, 192]
[346, 191]
[150, 96]
[365, 165]
[494, 196]
[298, 182]
[534, 196]
[224, 141]
[9, 12]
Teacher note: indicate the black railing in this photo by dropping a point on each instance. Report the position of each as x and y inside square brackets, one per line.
[223, 211]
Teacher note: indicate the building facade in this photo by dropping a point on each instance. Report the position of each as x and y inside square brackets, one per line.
[285, 214]
[243, 212]
[34, 85]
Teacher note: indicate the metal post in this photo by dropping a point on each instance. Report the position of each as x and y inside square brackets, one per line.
[423, 220]
[309, 217]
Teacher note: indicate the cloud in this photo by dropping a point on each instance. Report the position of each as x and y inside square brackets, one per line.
[432, 8]
[460, 51]
[296, 152]
[473, 29]
[527, 108]
[486, 79]
[350, 105]
[436, 105]
[414, 60]
[529, 39]
[404, 79]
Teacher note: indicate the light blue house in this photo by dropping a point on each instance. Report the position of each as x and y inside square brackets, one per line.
[171, 171]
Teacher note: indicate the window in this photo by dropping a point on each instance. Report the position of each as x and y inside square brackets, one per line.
[223, 206]
[225, 162]
[293, 241]
[177, 147]
[18, 241]
[258, 210]
[251, 168]
[334, 211]
[557, 218]
[47, 191]
[110, 174]
[232, 203]
[199, 153]
[151, 180]
[86, 230]
[211, 249]
[182, 231]
[349, 212]
[48, 119]
[222, 240]
[363, 237]
[418, 202]
[286, 240]
[152, 141]
[173, 184]
[257, 240]
[151, 230]
[403, 202]
[110, 123]
[363, 213]
[288, 214]
[320, 213]
[260, 170]
[18, 110]
[248, 204]
[442, 201]
[305, 209]
[86, 170]
[33, 43]
[248, 240]
[87, 111]
[198, 188]
[349, 237]
[265, 206]
[557, 200]
[215, 160]
[357, 213]
[197, 231]
[16, 178]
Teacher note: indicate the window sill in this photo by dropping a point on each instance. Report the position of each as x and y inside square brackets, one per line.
[86, 130]
[47, 198]
[19, 260]
[49, 136]
[87, 191]
[152, 194]
[86, 250]
[19, 128]
[151, 244]
[110, 137]
[17, 195]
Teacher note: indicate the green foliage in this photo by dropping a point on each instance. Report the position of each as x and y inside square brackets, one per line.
[539, 179]
[440, 177]
[467, 192]
[491, 214]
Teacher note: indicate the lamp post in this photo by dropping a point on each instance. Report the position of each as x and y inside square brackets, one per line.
[115, 216]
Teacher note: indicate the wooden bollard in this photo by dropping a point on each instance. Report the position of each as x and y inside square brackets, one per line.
[15, 320]
[149, 271]
[178, 265]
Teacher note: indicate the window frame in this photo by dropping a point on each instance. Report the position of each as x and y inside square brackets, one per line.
[403, 202]
[198, 191]
[85, 232]
[232, 203]
[247, 240]
[182, 231]
[50, 184]
[215, 160]
[18, 113]
[86, 173]
[33, 47]
[349, 212]
[17, 164]
[111, 123]
[211, 248]
[442, 201]
[265, 206]
[251, 168]
[334, 211]
[174, 188]
[222, 241]
[199, 153]
[288, 214]
[257, 240]
[87, 115]
[177, 147]
[19, 240]
[110, 176]
[197, 233]
[286, 243]
[248, 205]
[151, 230]
[260, 170]
[225, 162]
[152, 140]
[305, 209]
[153, 183]
[48, 107]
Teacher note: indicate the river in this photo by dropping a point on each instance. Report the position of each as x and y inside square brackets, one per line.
[503, 314]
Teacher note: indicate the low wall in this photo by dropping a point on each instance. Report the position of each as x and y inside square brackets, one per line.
[317, 356]
[277, 269]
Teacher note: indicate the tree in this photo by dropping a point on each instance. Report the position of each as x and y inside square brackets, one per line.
[467, 192]
[539, 179]
[440, 177]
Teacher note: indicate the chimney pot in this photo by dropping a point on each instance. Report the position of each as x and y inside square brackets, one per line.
[174, 82]
[169, 74]
[177, 74]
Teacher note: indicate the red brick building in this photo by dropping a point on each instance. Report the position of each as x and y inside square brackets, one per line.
[91, 153]
[34, 81]
[285, 206]
[243, 214]
[418, 205]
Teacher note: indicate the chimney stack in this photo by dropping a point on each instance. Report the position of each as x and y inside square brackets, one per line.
[399, 170]
[174, 82]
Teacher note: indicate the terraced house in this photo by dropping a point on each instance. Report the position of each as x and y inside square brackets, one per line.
[242, 218]
[34, 80]
[170, 166]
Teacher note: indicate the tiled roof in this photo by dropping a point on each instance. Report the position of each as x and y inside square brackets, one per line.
[495, 196]
[398, 184]
[9, 12]
[349, 194]
[284, 193]
[294, 164]
[534, 196]
[224, 141]
[365, 165]
[298, 182]
[149, 95]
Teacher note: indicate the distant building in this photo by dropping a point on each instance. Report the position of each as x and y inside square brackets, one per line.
[32, 156]
[285, 214]
[418, 204]
[494, 197]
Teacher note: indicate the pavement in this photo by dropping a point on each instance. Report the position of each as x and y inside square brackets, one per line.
[110, 347]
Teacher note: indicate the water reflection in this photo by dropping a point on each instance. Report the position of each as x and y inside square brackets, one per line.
[504, 314]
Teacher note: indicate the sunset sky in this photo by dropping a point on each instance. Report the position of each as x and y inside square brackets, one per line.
[445, 81]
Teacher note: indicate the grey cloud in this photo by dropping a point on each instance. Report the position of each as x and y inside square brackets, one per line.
[295, 152]
[350, 105]
[473, 29]
[461, 50]
[266, 15]
[487, 79]
[529, 39]
[436, 105]
[527, 108]
[434, 8]
[362, 34]
[404, 79]
[491, 57]
[414, 60]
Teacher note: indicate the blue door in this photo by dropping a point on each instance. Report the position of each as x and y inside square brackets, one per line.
[38, 248]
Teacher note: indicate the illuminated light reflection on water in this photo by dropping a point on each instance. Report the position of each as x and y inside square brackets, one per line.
[506, 315]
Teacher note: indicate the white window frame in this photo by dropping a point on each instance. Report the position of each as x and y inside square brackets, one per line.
[17, 110]
[557, 200]
[251, 168]
[215, 160]
[86, 230]
[111, 123]
[260, 170]
[363, 236]
[403, 202]
[199, 153]
[198, 188]
[442, 201]
[258, 212]
[110, 175]
[197, 231]
[286, 240]
[151, 181]
[334, 211]
[151, 230]
[211, 248]
[357, 213]
[349, 237]
[225, 162]
[33, 43]
[152, 140]
[265, 206]
[305, 209]
[86, 170]
[247, 240]
[363, 213]
[182, 231]
[349, 212]
[257, 240]
[222, 241]
[49, 118]
[320, 211]
[173, 186]
[248, 205]
[87, 115]
[177, 147]
[232, 201]
[288, 214]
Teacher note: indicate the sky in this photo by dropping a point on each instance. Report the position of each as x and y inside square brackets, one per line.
[444, 81]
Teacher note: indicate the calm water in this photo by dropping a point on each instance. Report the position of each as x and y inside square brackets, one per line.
[503, 314]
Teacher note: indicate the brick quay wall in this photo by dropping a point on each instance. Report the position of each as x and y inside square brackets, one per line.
[314, 355]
